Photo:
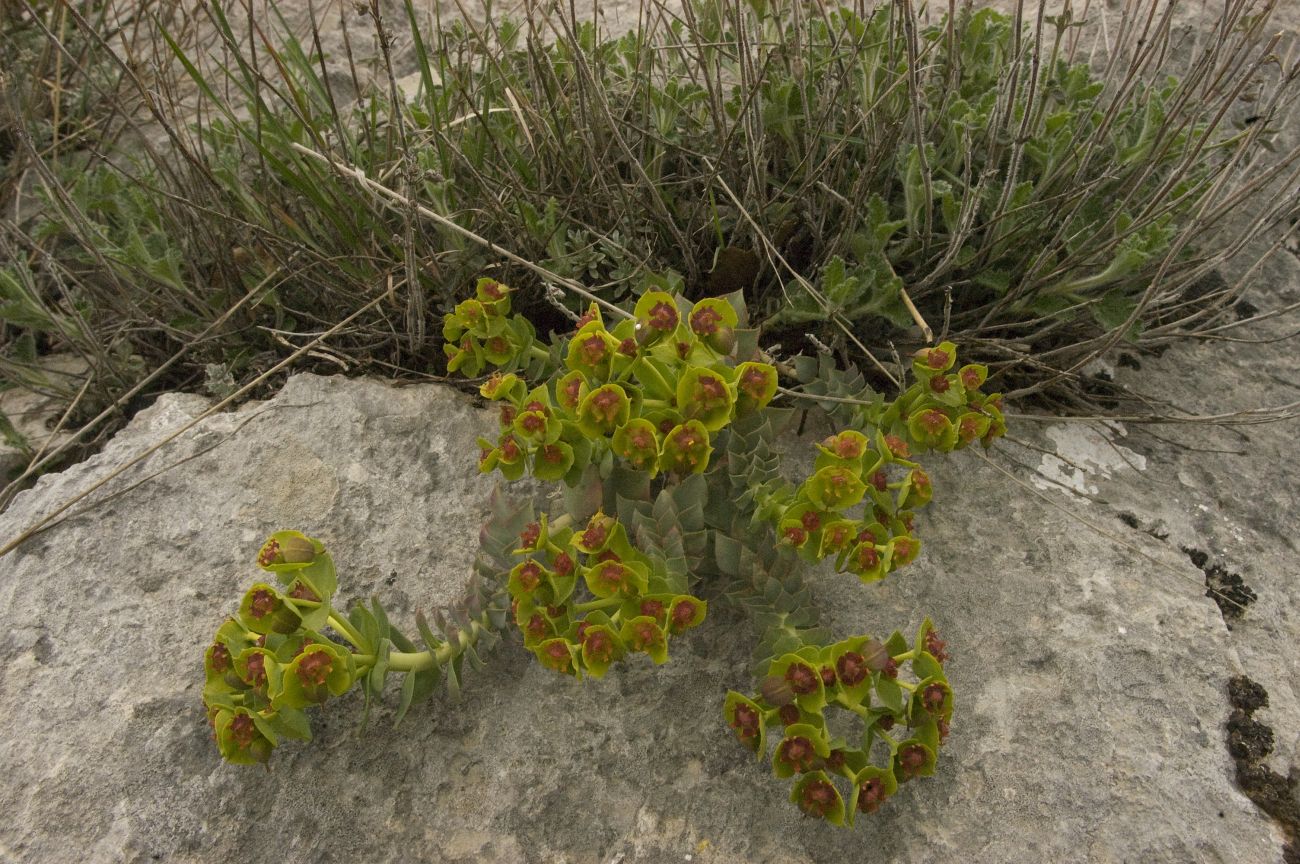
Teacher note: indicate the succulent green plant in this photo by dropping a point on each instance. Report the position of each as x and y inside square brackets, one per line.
[661, 429]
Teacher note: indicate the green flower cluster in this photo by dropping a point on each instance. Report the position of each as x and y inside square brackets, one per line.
[480, 332]
[853, 474]
[944, 409]
[622, 604]
[906, 722]
[653, 391]
[271, 662]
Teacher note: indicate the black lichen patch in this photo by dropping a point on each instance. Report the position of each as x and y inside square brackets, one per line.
[1249, 742]
[1246, 694]
[1228, 590]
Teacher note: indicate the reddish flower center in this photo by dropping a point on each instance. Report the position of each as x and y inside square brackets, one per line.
[844, 446]
[939, 384]
[301, 591]
[818, 798]
[595, 535]
[811, 521]
[802, 679]
[912, 759]
[871, 795]
[663, 316]
[798, 753]
[653, 608]
[243, 730]
[269, 554]
[263, 603]
[571, 391]
[704, 322]
[754, 382]
[852, 668]
[563, 564]
[643, 635]
[683, 613]
[937, 358]
[220, 657]
[599, 646]
[605, 405]
[897, 446]
[711, 390]
[745, 721]
[257, 670]
[933, 421]
[530, 535]
[530, 575]
[593, 349]
[611, 576]
[314, 668]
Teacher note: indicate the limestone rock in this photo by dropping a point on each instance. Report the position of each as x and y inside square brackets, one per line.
[1089, 722]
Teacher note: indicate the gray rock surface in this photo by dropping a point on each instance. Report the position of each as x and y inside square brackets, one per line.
[1089, 680]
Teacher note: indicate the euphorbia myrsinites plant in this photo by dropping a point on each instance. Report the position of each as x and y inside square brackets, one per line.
[661, 429]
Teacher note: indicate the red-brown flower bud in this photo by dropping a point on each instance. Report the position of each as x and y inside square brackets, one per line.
[936, 646]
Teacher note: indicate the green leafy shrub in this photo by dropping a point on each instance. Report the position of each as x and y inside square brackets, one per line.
[834, 166]
[660, 427]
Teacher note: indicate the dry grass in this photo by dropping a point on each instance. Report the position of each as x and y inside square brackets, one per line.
[867, 179]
